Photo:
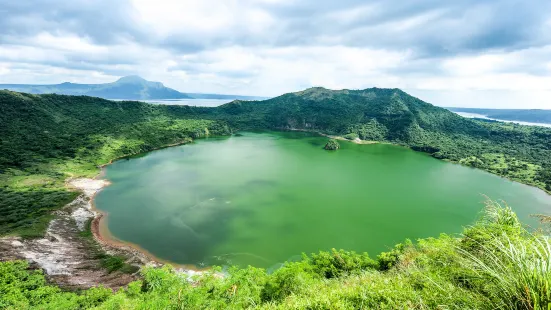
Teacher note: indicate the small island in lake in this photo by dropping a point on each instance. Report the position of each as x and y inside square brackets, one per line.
[332, 145]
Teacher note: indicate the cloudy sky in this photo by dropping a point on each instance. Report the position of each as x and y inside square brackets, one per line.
[475, 53]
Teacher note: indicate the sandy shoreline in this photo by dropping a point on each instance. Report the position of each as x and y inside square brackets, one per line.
[103, 236]
[70, 259]
[356, 141]
[99, 224]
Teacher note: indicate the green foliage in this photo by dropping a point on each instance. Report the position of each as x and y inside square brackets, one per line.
[472, 161]
[292, 278]
[46, 138]
[115, 263]
[26, 211]
[332, 145]
[544, 176]
[391, 115]
[387, 260]
[515, 264]
[507, 268]
[335, 264]
[370, 131]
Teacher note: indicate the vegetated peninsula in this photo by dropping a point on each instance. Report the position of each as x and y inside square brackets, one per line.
[46, 139]
[129, 87]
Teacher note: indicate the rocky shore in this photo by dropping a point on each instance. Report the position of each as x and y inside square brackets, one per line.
[64, 253]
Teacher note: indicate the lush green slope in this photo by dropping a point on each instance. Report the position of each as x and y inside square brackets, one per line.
[495, 264]
[45, 139]
[524, 115]
[518, 152]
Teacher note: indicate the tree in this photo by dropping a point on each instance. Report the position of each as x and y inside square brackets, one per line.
[332, 145]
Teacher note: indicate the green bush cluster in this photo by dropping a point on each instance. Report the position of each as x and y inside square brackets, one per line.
[494, 264]
[332, 145]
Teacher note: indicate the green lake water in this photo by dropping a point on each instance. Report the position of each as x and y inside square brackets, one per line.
[264, 198]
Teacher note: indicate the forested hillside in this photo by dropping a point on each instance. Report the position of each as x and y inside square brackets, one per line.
[518, 152]
[45, 139]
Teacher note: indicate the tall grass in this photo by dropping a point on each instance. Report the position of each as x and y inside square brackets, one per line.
[516, 271]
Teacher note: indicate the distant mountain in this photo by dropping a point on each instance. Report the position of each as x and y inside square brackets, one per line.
[524, 115]
[129, 87]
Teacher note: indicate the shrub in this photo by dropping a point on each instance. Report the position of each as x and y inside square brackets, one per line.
[387, 260]
[338, 263]
[332, 145]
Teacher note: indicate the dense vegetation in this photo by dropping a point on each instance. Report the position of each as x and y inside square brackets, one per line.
[517, 152]
[332, 145]
[45, 139]
[495, 264]
[525, 115]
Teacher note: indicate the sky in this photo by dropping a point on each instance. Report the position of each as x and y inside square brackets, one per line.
[467, 53]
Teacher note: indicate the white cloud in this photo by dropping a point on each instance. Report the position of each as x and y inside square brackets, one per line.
[268, 47]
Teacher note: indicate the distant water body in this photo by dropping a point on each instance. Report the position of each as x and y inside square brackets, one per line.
[191, 102]
[475, 115]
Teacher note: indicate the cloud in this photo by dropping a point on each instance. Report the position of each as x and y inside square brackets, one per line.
[101, 21]
[268, 47]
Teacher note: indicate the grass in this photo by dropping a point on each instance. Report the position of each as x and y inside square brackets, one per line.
[495, 264]
[110, 262]
[518, 272]
[114, 263]
[506, 166]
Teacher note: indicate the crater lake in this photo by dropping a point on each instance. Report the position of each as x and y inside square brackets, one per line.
[264, 198]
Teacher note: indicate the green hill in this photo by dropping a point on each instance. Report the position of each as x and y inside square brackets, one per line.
[517, 152]
[496, 263]
[393, 113]
[47, 138]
